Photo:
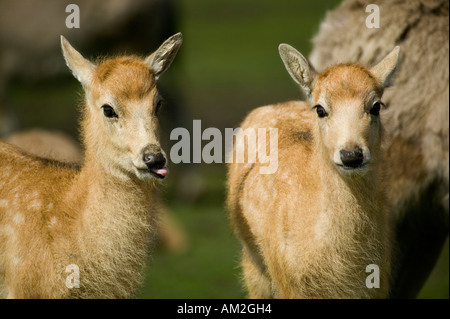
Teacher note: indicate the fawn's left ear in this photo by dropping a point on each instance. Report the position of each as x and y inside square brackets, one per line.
[81, 68]
[386, 69]
[160, 60]
[300, 69]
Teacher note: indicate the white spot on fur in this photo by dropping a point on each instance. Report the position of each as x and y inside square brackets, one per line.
[15, 260]
[6, 230]
[35, 202]
[18, 218]
[53, 221]
[3, 203]
[36, 205]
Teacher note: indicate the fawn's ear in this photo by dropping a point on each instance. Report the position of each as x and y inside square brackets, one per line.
[160, 60]
[386, 69]
[298, 67]
[81, 68]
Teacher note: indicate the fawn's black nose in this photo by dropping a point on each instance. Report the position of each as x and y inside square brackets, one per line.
[154, 160]
[352, 159]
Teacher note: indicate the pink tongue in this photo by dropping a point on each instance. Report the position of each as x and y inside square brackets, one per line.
[161, 171]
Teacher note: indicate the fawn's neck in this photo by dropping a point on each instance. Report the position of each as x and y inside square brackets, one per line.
[117, 213]
[114, 229]
[116, 197]
[358, 225]
[354, 202]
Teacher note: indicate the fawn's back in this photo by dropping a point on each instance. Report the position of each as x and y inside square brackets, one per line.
[31, 216]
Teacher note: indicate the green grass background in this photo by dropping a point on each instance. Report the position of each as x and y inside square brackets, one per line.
[228, 65]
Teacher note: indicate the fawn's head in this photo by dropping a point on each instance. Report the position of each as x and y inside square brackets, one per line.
[122, 102]
[347, 99]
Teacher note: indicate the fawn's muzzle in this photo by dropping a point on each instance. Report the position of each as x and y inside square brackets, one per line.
[156, 164]
[352, 159]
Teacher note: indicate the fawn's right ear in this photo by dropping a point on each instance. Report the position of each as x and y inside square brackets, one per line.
[298, 67]
[386, 69]
[81, 68]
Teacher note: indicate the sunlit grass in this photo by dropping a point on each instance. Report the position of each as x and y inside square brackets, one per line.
[208, 269]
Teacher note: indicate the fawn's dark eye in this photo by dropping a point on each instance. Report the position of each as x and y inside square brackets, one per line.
[320, 111]
[375, 110]
[158, 105]
[108, 111]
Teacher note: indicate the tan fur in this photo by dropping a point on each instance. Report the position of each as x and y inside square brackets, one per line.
[61, 147]
[309, 230]
[48, 144]
[416, 120]
[100, 217]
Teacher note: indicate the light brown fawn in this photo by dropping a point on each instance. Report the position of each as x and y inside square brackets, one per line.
[416, 125]
[98, 219]
[311, 229]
